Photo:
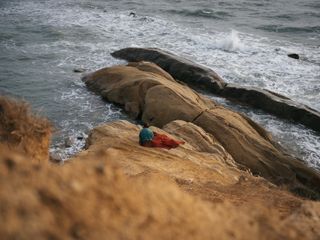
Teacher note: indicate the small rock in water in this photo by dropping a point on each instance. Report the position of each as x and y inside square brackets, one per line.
[68, 142]
[79, 70]
[293, 55]
[80, 137]
[133, 14]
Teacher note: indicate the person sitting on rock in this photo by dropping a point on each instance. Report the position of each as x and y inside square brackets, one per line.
[146, 135]
[148, 138]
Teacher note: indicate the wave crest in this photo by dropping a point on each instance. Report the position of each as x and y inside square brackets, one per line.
[231, 43]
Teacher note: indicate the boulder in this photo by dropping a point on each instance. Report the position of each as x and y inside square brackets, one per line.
[150, 90]
[161, 100]
[274, 103]
[178, 67]
[202, 77]
[132, 14]
[293, 55]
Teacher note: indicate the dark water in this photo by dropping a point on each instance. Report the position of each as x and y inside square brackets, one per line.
[246, 42]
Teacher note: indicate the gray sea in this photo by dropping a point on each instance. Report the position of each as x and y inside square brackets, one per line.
[246, 42]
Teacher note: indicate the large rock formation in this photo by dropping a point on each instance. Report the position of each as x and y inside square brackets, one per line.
[179, 68]
[202, 77]
[200, 161]
[146, 90]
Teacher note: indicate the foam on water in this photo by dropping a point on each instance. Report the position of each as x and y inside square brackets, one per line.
[206, 13]
[74, 137]
[231, 43]
[83, 34]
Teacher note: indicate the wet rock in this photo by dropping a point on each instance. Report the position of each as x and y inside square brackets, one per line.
[274, 103]
[179, 68]
[294, 55]
[79, 70]
[68, 142]
[132, 14]
[202, 77]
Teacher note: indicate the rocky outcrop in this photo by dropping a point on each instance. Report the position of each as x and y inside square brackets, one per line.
[202, 77]
[197, 162]
[178, 67]
[145, 91]
[274, 103]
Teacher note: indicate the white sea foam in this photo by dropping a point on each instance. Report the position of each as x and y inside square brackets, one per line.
[231, 43]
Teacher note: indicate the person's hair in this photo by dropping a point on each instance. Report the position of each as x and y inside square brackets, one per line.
[145, 125]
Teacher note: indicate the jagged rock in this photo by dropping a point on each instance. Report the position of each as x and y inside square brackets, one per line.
[294, 55]
[203, 77]
[162, 100]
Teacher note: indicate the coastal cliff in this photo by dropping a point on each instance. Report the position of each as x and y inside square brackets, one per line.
[229, 180]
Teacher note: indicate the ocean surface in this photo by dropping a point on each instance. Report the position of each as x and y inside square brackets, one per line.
[245, 42]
